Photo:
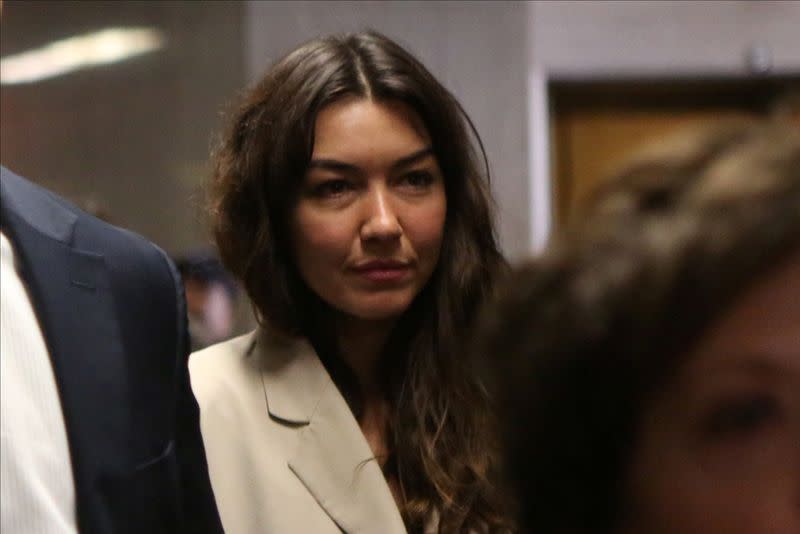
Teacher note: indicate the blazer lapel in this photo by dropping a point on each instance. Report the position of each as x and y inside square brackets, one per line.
[71, 293]
[332, 459]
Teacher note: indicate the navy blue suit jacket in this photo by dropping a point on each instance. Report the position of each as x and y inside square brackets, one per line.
[112, 311]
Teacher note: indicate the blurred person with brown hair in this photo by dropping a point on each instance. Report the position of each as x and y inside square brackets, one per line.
[351, 202]
[649, 362]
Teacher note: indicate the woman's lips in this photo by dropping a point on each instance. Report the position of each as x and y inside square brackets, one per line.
[383, 271]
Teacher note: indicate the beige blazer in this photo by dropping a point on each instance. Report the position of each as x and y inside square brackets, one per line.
[285, 453]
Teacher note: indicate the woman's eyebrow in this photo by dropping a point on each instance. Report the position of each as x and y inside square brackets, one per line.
[332, 165]
[340, 166]
[413, 158]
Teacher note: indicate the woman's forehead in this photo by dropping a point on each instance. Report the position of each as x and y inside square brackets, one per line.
[759, 332]
[353, 130]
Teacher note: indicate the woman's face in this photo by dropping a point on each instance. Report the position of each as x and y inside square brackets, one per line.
[719, 449]
[368, 225]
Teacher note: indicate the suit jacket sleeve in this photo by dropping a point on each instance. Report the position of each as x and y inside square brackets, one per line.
[199, 510]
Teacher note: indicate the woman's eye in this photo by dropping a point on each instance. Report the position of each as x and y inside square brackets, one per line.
[417, 179]
[331, 188]
[742, 416]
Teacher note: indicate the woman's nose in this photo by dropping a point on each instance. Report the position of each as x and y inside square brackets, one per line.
[381, 222]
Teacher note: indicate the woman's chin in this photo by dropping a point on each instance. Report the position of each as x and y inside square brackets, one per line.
[379, 310]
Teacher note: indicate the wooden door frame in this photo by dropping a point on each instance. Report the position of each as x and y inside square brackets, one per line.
[582, 41]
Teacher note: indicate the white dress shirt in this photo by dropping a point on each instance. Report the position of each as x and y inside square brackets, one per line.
[37, 494]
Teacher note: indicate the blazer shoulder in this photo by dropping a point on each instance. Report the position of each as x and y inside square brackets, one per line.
[127, 253]
[219, 353]
[218, 371]
[93, 233]
[133, 261]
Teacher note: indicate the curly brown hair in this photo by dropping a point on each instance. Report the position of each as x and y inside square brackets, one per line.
[584, 336]
[440, 428]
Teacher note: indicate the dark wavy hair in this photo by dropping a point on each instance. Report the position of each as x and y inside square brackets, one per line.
[440, 427]
[585, 335]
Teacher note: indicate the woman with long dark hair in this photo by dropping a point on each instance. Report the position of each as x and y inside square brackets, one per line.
[351, 202]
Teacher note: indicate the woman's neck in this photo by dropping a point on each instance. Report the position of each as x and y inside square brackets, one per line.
[361, 345]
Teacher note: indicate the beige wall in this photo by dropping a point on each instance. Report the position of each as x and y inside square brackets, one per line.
[663, 38]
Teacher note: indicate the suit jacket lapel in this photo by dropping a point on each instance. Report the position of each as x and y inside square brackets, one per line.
[71, 293]
[332, 459]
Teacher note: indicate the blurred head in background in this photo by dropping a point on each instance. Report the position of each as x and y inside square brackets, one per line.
[650, 361]
[210, 298]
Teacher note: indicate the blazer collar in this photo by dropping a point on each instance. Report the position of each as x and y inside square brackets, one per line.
[332, 459]
[293, 376]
